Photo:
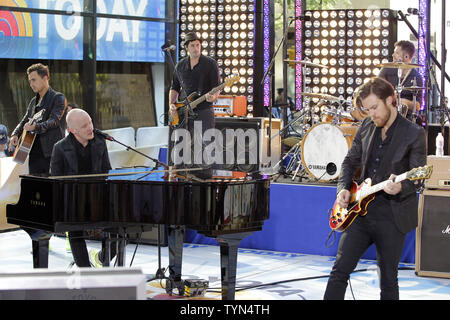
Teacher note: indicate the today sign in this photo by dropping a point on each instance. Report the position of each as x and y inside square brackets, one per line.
[43, 36]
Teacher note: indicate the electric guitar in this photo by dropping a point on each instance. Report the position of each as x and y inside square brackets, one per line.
[361, 195]
[26, 140]
[175, 119]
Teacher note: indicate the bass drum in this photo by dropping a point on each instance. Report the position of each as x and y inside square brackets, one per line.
[324, 148]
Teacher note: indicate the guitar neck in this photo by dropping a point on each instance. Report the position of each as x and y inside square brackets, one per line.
[380, 186]
[197, 101]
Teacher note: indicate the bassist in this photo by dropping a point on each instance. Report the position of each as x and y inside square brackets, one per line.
[385, 145]
[199, 74]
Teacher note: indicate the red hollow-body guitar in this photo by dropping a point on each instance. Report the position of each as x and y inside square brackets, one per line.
[361, 195]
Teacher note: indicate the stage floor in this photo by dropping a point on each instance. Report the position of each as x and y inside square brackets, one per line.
[261, 275]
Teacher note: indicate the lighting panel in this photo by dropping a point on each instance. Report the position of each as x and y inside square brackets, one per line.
[227, 30]
[351, 43]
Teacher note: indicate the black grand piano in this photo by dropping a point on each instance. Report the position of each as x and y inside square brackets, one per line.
[228, 210]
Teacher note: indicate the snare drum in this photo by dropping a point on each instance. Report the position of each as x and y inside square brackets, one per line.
[324, 148]
[358, 114]
[329, 116]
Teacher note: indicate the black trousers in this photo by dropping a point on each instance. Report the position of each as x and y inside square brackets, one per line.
[38, 164]
[80, 252]
[355, 240]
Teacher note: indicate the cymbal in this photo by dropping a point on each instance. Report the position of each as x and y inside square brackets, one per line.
[399, 65]
[306, 63]
[320, 96]
[414, 88]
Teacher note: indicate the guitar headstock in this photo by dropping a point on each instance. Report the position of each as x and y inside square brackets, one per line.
[419, 173]
[232, 79]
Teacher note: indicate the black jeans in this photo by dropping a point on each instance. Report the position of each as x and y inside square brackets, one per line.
[354, 242]
[80, 252]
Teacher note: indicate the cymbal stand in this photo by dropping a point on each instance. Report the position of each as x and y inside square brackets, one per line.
[338, 114]
[399, 90]
[298, 118]
[295, 159]
[415, 113]
[160, 273]
[274, 168]
[299, 165]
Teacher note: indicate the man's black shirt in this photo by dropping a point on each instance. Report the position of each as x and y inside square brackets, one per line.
[376, 156]
[201, 79]
[83, 155]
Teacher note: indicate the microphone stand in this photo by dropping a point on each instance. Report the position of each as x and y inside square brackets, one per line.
[156, 161]
[433, 58]
[302, 113]
[414, 32]
[443, 102]
[160, 272]
[269, 69]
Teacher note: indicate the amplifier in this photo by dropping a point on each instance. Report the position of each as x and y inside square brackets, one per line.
[226, 106]
[433, 234]
[440, 177]
[249, 152]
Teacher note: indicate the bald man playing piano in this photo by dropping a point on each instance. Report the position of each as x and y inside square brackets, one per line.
[81, 152]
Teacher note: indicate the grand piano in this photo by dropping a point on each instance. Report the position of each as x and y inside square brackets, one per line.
[228, 210]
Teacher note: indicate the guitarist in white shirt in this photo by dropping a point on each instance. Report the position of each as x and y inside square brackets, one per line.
[48, 131]
[385, 145]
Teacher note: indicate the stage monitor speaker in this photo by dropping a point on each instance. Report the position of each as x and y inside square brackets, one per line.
[74, 284]
[433, 234]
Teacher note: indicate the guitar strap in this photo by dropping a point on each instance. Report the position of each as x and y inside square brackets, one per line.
[40, 104]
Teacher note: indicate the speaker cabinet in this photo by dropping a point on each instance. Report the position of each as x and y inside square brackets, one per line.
[433, 234]
[244, 145]
[440, 176]
[250, 147]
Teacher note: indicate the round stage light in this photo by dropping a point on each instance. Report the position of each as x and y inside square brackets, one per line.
[357, 41]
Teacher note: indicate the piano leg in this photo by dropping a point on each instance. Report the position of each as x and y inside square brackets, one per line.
[121, 245]
[39, 243]
[106, 245]
[228, 262]
[40, 253]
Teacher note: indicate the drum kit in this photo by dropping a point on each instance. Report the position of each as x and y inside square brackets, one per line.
[317, 150]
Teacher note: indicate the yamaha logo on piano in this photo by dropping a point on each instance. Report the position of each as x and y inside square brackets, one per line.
[37, 201]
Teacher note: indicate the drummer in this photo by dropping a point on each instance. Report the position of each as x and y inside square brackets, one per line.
[404, 53]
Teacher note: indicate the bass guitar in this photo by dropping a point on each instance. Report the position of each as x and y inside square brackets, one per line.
[361, 195]
[194, 101]
[26, 140]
